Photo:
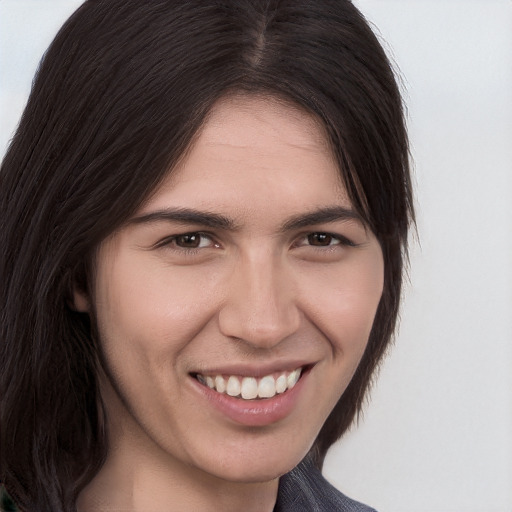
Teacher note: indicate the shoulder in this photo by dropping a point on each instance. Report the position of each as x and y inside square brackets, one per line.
[304, 489]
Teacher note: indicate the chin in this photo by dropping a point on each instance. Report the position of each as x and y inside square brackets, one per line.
[255, 474]
[260, 466]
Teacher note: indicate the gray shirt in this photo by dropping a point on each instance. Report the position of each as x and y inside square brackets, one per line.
[304, 489]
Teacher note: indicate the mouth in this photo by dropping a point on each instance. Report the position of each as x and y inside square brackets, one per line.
[252, 387]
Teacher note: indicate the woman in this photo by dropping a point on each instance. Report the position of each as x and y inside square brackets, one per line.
[204, 215]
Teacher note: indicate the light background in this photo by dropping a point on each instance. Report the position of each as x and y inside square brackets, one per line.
[437, 434]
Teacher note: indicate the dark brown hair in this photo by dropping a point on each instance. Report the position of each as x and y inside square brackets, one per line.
[118, 97]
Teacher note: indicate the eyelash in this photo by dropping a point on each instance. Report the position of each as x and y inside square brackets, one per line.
[342, 241]
[169, 242]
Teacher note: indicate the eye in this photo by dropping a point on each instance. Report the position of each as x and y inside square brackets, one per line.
[188, 242]
[322, 239]
[193, 241]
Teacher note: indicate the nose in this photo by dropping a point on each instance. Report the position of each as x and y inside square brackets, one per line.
[260, 307]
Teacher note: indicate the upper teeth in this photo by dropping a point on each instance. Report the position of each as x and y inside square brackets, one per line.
[249, 388]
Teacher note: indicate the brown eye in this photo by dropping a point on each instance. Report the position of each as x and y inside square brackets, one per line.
[189, 240]
[322, 239]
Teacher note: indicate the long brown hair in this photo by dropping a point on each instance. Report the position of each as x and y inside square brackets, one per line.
[118, 97]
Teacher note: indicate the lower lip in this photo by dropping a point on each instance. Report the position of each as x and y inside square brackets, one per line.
[253, 413]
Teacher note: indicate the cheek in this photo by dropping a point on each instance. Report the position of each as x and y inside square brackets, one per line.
[147, 309]
[343, 302]
[344, 312]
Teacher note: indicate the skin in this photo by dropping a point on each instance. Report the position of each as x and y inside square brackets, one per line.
[253, 293]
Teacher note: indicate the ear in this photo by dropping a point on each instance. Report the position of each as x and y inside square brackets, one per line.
[80, 301]
[77, 296]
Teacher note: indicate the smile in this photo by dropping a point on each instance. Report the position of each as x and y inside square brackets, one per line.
[251, 388]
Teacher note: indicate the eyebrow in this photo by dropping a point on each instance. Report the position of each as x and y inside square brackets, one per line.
[187, 216]
[321, 216]
[218, 221]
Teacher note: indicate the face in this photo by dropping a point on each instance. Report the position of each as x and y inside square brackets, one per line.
[235, 306]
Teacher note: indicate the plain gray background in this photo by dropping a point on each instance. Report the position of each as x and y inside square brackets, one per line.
[437, 433]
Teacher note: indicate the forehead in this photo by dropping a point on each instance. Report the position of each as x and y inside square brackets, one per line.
[259, 144]
[255, 121]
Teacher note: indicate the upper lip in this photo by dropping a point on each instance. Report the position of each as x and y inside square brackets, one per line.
[255, 370]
